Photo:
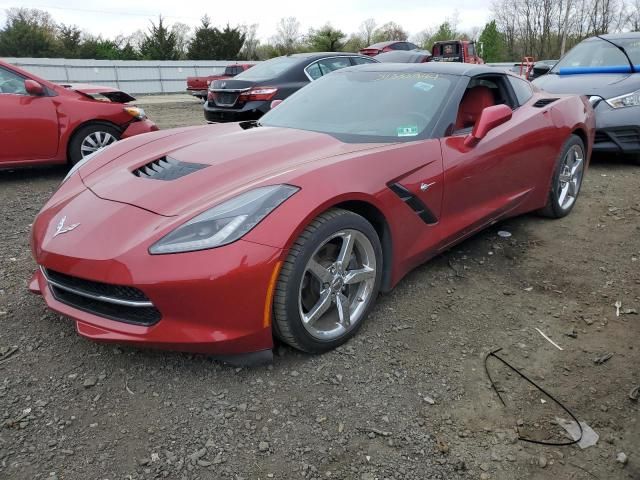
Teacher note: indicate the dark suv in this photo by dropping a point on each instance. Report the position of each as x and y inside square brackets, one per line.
[248, 96]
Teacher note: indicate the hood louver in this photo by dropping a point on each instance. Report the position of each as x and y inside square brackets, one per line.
[167, 169]
[544, 102]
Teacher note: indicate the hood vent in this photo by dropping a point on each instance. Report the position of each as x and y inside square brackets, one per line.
[544, 102]
[167, 169]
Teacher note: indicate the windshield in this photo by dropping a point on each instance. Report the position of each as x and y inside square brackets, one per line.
[367, 106]
[268, 69]
[596, 52]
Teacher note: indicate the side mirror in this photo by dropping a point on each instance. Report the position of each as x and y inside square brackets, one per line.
[33, 88]
[275, 103]
[490, 118]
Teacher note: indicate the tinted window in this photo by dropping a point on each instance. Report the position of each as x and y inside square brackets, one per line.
[314, 71]
[11, 83]
[362, 60]
[397, 46]
[522, 90]
[598, 53]
[472, 50]
[363, 106]
[412, 46]
[268, 69]
[329, 65]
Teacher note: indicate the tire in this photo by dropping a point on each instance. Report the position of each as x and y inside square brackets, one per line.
[314, 286]
[567, 179]
[101, 134]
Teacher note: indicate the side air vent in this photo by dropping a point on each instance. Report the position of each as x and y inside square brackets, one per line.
[167, 169]
[414, 203]
[543, 102]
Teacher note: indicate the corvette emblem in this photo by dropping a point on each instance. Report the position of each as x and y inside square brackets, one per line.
[60, 229]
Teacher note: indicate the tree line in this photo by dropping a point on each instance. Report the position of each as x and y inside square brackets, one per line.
[538, 28]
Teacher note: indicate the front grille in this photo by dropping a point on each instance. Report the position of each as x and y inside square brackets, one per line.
[116, 302]
[167, 169]
[225, 99]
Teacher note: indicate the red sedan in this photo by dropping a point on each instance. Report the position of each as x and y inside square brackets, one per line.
[216, 238]
[45, 123]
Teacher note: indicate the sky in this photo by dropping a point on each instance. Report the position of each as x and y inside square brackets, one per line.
[125, 16]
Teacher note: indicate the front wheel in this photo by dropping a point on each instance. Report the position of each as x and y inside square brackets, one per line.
[328, 283]
[90, 139]
[567, 179]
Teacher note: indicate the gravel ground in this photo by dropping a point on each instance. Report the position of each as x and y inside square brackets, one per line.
[408, 398]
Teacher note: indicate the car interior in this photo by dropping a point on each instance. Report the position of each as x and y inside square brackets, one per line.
[11, 83]
[482, 92]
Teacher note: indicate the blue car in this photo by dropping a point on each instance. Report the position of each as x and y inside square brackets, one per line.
[606, 69]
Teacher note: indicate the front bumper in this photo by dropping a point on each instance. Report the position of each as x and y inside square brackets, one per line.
[617, 130]
[198, 93]
[214, 301]
[139, 127]
[249, 111]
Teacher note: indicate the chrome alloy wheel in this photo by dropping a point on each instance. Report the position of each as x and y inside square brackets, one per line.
[95, 141]
[570, 178]
[337, 285]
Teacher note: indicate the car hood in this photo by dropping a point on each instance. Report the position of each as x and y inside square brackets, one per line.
[222, 161]
[605, 85]
[98, 91]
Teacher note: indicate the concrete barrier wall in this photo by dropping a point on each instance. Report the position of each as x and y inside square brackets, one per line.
[131, 76]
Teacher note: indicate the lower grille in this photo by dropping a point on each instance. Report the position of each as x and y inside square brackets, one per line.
[623, 136]
[116, 302]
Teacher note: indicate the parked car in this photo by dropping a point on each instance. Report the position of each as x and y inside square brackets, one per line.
[45, 123]
[541, 67]
[248, 96]
[198, 86]
[463, 51]
[402, 56]
[216, 238]
[607, 70]
[378, 48]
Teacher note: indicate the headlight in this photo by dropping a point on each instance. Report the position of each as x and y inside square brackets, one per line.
[628, 100]
[224, 223]
[80, 163]
[136, 112]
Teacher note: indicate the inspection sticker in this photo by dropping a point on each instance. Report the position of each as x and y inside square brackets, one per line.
[408, 131]
[424, 86]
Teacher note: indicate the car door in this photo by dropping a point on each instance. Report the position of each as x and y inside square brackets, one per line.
[28, 124]
[491, 179]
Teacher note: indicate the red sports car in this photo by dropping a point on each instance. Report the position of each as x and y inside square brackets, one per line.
[216, 238]
[42, 122]
[377, 48]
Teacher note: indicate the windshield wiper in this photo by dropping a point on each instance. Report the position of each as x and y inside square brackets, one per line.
[621, 48]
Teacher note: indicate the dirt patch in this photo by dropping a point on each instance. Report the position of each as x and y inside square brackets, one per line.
[408, 398]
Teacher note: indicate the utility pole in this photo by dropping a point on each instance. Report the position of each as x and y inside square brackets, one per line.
[565, 28]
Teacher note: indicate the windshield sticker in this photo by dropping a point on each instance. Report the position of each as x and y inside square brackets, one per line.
[408, 76]
[408, 131]
[424, 86]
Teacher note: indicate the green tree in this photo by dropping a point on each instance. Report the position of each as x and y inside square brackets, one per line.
[69, 39]
[160, 43]
[230, 43]
[98, 48]
[326, 39]
[28, 32]
[210, 43]
[389, 31]
[493, 44]
[446, 31]
[204, 41]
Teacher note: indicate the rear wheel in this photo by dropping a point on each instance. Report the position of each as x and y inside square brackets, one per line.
[90, 139]
[328, 283]
[567, 179]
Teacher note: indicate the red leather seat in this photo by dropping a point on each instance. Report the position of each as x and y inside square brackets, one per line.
[473, 102]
